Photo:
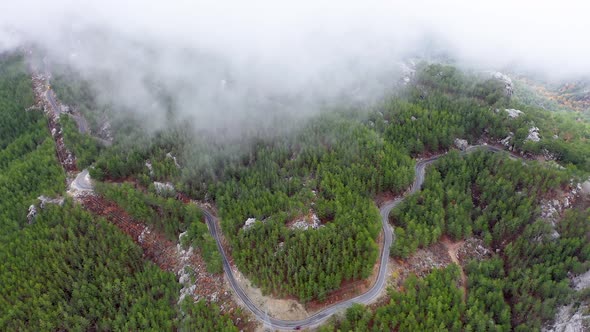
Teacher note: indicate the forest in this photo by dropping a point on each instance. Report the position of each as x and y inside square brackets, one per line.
[483, 194]
[66, 269]
[167, 215]
[330, 168]
[334, 165]
[494, 198]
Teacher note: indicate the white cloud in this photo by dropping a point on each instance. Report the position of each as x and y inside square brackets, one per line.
[309, 50]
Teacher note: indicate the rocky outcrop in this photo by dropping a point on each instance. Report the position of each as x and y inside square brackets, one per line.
[44, 200]
[570, 319]
[149, 166]
[533, 135]
[313, 223]
[507, 81]
[513, 113]
[169, 155]
[249, 223]
[164, 188]
[552, 209]
[105, 131]
[461, 144]
[507, 141]
[408, 71]
[573, 317]
[473, 248]
[32, 214]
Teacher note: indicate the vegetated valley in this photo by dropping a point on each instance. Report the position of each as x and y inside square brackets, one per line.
[297, 211]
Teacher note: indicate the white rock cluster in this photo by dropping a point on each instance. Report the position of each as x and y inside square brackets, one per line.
[569, 320]
[163, 188]
[508, 85]
[507, 141]
[146, 231]
[106, 132]
[149, 166]
[32, 214]
[305, 225]
[550, 156]
[249, 223]
[461, 144]
[533, 135]
[46, 200]
[582, 281]
[408, 71]
[473, 248]
[169, 155]
[513, 113]
[551, 209]
[183, 273]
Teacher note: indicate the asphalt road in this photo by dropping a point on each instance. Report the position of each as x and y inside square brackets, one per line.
[82, 182]
[371, 294]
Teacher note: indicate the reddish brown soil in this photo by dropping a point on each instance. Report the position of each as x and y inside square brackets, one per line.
[384, 197]
[452, 249]
[164, 253]
[65, 157]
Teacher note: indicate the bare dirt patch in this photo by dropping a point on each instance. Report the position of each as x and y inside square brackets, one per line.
[384, 197]
[473, 248]
[188, 265]
[452, 250]
[420, 263]
[287, 309]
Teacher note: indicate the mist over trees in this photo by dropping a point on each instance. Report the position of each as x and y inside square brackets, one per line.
[64, 269]
[83, 274]
[336, 161]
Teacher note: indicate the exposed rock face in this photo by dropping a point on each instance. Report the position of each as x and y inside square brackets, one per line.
[164, 189]
[46, 200]
[569, 319]
[508, 85]
[507, 141]
[513, 113]
[585, 187]
[551, 209]
[249, 223]
[533, 135]
[408, 70]
[169, 155]
[582, 281]
[144, 233]
[32, 214]
[473, 248]
[461, 144]
[305, 224]
[149, 166]
[105, 131]
[183, 272]
[550, 156]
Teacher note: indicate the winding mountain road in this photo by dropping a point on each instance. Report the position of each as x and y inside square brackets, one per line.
[82, 183]
[321, 316]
